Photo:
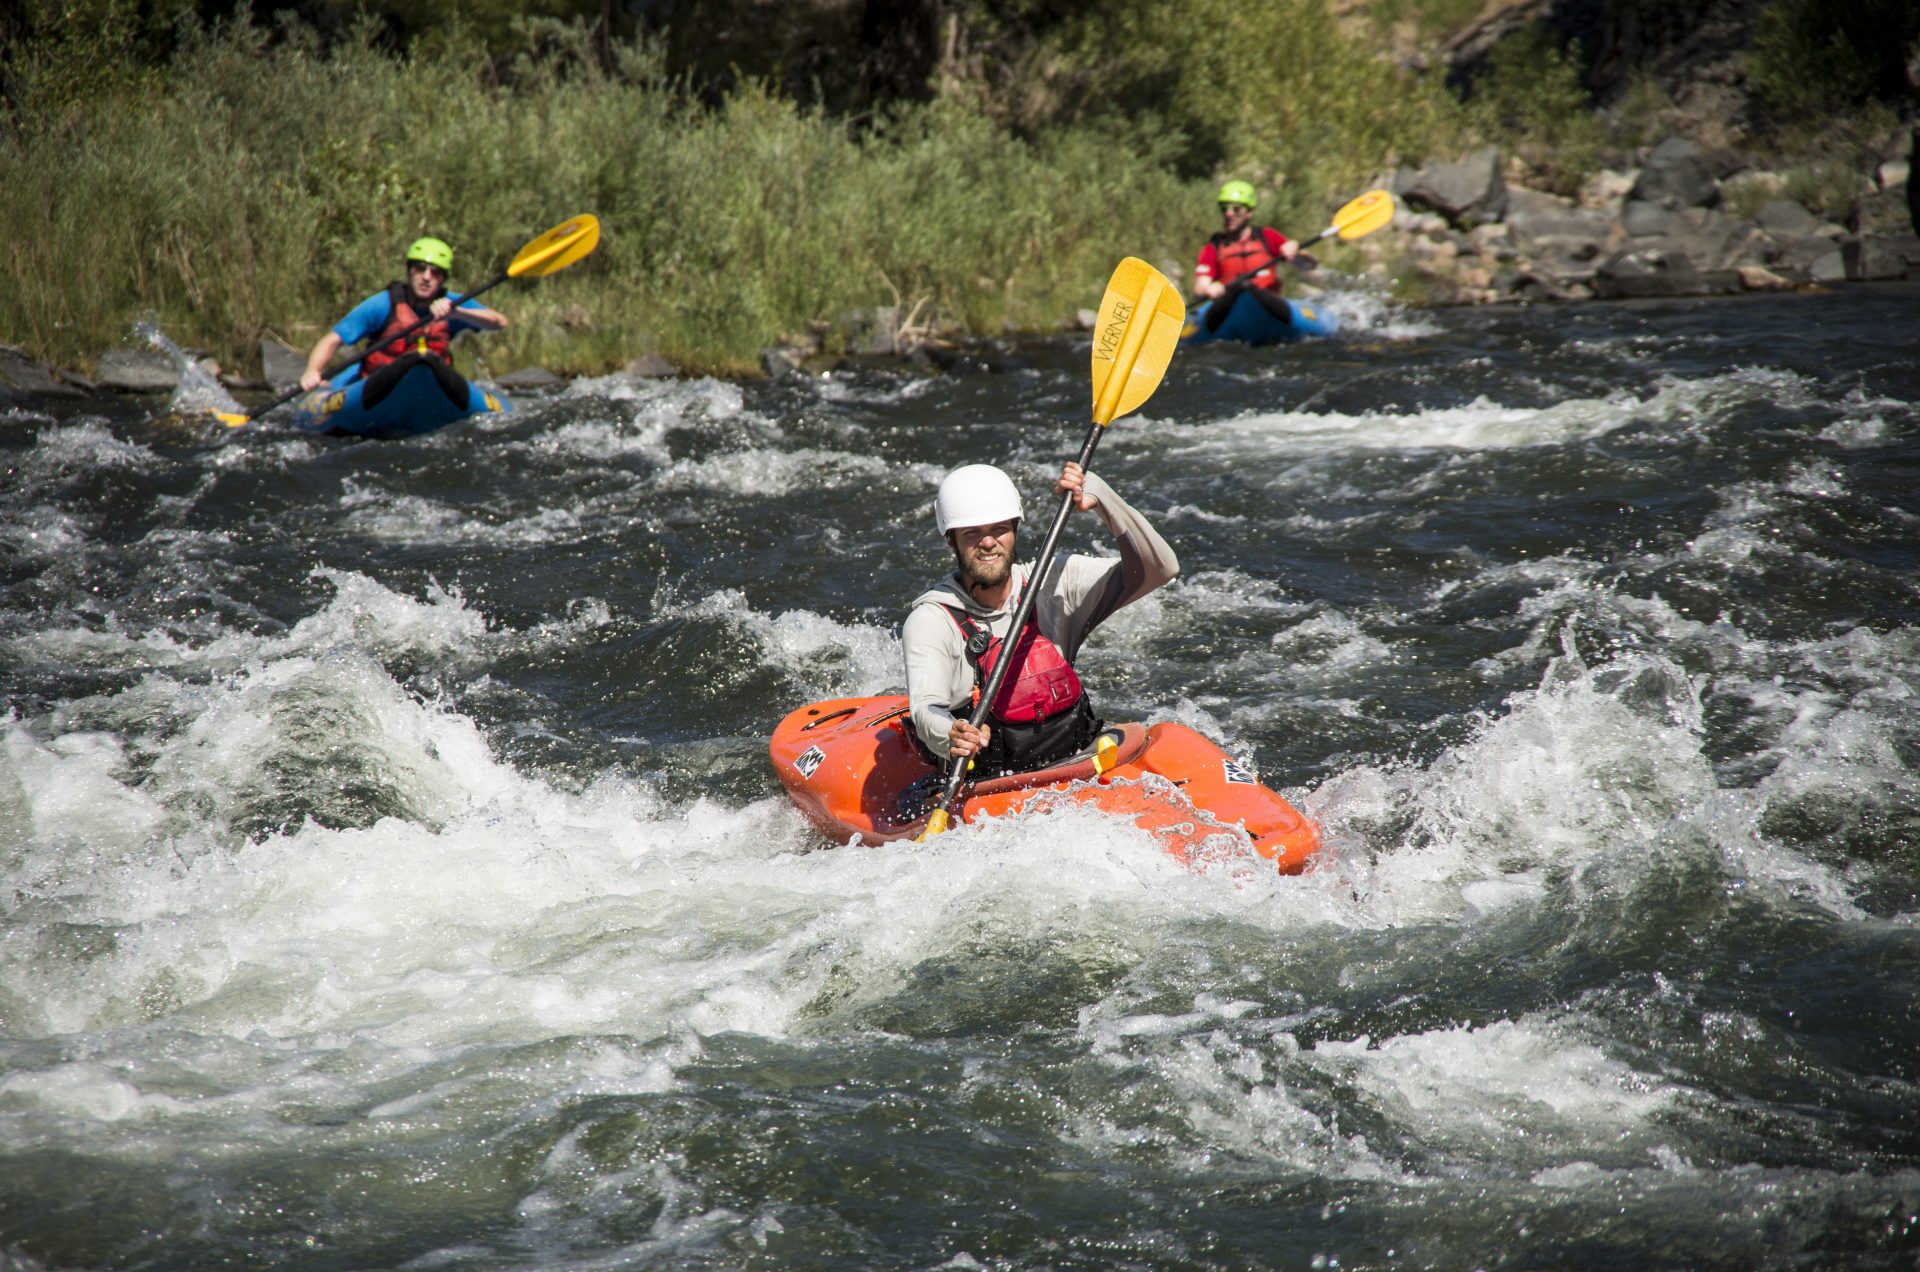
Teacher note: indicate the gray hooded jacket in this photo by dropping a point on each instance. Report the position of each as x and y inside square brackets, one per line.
[1077, 595]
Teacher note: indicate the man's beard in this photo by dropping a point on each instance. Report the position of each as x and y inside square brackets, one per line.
[989, 574]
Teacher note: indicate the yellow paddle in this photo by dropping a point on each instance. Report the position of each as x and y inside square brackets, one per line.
[1133, 340]
[552, 252]
[1359, 218]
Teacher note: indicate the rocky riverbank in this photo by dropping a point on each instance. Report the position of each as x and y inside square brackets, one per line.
[1689, 221]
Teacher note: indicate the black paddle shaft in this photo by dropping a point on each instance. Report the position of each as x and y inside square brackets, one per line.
[297, 390]
[958, 772]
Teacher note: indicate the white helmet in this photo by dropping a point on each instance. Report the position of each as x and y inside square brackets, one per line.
[975, 495]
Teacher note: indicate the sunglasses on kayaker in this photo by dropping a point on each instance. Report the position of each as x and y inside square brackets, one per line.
[437, 271]
[1230, 207]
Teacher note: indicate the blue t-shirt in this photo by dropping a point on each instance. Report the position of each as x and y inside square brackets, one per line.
[369, 318]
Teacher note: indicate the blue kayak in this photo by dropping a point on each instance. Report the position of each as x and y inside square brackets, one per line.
[416, 405]
[1249, 323]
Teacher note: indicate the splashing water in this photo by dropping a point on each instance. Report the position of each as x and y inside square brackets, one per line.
[392, 875]
[199, 391]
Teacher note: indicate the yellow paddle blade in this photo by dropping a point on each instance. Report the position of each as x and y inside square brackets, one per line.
[558, 248]
[231, 420]
[936, 824]
[1141, 318]
[1370, 212]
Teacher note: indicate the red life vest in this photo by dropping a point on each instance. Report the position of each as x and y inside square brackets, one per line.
[1238, 257]
[1040, 684]
[433, 338]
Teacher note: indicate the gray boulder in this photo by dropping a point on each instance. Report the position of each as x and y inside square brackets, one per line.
[1873, 258]
[1829, 268]
[281, 365]
[1533, 216]
[1783, 218]
[1677, 174]
[1467, 193]
[1641, 219]
[1643, 272]
[873, 332]
[531, 378]
[1714, 240]
[781, 364]
[138, 371]
[651, 366]
[30, 378]
[1794, 254]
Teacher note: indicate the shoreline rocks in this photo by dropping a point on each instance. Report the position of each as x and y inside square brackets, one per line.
[1473, 233]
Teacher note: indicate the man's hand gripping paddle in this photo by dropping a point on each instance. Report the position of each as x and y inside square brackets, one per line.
[552, 252]
[1140, 321]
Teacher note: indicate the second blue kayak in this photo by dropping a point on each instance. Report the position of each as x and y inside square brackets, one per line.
[417, 405]
[1250, 323]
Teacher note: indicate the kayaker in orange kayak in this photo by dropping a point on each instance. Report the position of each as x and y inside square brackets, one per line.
[957, 629]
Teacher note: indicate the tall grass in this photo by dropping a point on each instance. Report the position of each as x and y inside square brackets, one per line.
[252, 181]
[261, 185]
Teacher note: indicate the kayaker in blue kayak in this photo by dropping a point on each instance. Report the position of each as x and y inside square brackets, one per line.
[384, 316]
[1242, 259]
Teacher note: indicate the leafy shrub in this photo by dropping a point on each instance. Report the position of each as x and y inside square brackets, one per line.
[1816, 58]
[1530, 100]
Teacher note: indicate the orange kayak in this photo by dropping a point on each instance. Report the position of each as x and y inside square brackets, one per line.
[852, 767]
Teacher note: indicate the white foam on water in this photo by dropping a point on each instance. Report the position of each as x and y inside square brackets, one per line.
[84, 446]
[362, 615]
[1527, 1092]
[857, 391]
[822, 657]
[43, 534]
[775, 472]
[637, 418]
[1366, 315]
[399, 517]
[1675, 408]
[1228, 593]
[1222, 1084]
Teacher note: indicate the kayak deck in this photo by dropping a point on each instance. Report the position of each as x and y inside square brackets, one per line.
[852, 767]
[1249, 322]
[417, 405]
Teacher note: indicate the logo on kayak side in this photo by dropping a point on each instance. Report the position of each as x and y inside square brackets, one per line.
[333, 403]
[810, 759]
[1239, 774]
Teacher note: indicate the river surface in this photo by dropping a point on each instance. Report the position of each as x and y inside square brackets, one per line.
[392, 875]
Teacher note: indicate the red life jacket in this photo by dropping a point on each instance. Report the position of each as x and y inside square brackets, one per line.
[1040, 684]
[1238, 257]
[433, 338]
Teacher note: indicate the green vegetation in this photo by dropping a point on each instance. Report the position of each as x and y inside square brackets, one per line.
[1532, 95]
[253, 186]
[1814, 59]
[260, 175]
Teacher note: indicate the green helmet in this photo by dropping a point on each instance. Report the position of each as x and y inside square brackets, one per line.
[1240, 192]
[431, 251]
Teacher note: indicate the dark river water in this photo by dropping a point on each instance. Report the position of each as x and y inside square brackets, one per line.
[392, 875]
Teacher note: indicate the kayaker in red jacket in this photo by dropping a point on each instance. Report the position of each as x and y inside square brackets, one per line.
[1242, 259]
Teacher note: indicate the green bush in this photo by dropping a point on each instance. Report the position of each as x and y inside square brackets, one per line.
[1813, 58]
[253, 185]
[1531, 102]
